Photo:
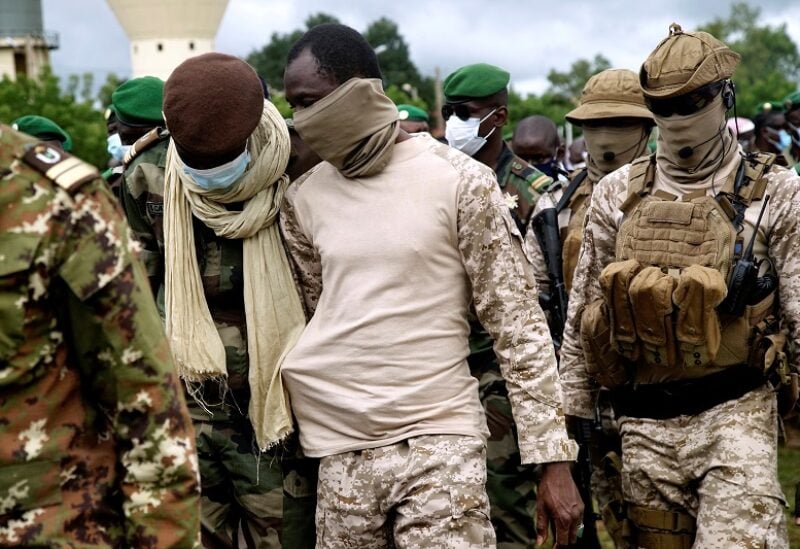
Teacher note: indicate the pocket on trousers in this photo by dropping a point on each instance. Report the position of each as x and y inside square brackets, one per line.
[469, 500]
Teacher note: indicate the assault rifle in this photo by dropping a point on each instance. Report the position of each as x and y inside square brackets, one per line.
[554, 301]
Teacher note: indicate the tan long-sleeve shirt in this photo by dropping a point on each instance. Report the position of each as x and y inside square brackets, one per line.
[388, 266]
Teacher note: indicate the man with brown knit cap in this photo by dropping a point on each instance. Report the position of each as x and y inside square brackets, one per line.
[674, 308]
[230, 306]
[616, 126]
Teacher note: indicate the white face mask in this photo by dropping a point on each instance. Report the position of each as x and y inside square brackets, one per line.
[115, 147]
[463, 134]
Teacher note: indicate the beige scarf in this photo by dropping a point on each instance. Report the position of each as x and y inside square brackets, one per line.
[273, 311]
[621, 145]
[354, 127]
[704, 134]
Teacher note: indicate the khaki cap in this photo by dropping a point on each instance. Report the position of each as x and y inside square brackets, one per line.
[685, 61]
[612, 93]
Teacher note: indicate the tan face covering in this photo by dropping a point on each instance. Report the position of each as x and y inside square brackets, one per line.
[703, 134]
[354, 127]
[611, 147]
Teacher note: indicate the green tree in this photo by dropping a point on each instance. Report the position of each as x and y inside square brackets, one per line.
[393, 55]
[270, 61]
[567, 86]
[43, 96]
[112, 83]
[770, 66]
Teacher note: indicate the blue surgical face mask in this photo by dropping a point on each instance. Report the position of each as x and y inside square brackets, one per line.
[783, 142]
[463, 134]
[115, 147]
[220, 177]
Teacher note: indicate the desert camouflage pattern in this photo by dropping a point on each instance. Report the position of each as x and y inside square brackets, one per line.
[242, 490]
[729, 453]
[779, 239]
[77, 318]
[434, 484]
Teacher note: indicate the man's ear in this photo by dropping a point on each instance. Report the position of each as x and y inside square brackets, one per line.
[500, 116]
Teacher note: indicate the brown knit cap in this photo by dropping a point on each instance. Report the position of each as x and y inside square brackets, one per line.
[685, 61]
[212, 104]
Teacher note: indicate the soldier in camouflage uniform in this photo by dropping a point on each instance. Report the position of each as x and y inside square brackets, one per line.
[242, 491]
[476, 100]
[393, 237]
[692, 354]
[616, 126]
[96, 446]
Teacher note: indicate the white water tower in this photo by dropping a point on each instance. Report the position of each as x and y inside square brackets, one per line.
[164, 33]
[24, 44]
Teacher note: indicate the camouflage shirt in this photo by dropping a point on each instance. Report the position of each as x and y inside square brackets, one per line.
[220, 260]
[522, 185]
[491, 263]
[96, 447]
[778, 239]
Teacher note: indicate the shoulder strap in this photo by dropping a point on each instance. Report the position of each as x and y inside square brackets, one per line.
[67, 171]
[641, 176]
[538, 181]
[143, 143]
[748, 186]
[574, 183]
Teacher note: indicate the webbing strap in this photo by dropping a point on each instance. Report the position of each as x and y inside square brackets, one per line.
[660, 529]
[659, 519]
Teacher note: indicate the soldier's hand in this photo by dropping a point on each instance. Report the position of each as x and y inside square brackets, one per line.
[559, 504]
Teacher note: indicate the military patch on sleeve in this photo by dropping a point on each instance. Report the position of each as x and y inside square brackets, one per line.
[65, 170]
[537, 181]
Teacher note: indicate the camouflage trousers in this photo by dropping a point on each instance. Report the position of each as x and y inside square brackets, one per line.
[510, 484]
[720, 466]
[264, 501]
[423, 492]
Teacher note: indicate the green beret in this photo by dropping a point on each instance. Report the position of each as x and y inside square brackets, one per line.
[769, 106]
[474, 81]
[137, 102]
[791, 101]
[43, 128]
[412, 113]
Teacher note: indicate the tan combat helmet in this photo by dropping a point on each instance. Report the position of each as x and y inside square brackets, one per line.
[612, 93]
[685, 61]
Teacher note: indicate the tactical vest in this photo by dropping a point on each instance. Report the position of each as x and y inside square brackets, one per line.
[674, 257]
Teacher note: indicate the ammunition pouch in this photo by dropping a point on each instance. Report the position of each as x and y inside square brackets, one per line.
[650, 294]
[615, 281]
[602, 361]
[698, 292]
[659, 529]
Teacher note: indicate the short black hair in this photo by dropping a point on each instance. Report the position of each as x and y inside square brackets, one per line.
[340, 51]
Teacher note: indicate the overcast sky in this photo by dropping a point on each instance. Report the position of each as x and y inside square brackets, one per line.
[526, 37]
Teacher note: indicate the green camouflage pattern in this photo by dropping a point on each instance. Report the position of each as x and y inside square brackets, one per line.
[76, 318]
[522, 185]
[242, 490]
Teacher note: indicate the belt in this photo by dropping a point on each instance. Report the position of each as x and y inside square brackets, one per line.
[685, 397]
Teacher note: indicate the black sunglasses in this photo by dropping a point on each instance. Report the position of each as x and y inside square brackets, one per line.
[688, 103]
[458, 109]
